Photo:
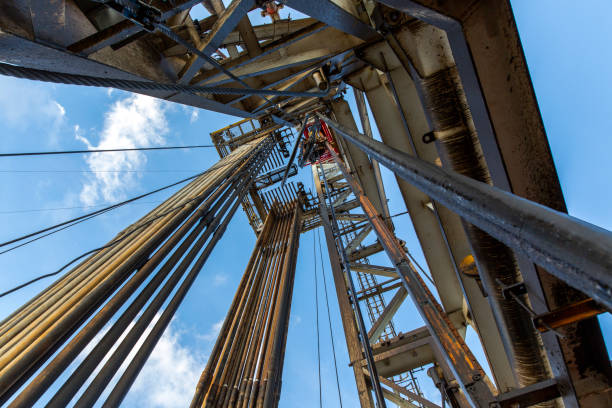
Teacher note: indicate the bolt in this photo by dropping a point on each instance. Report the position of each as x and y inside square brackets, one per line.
[476, 377]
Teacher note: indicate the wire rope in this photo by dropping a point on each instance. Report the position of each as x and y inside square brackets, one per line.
[33, 210]
[94, 213]
[112, 243]
[135, 85]
[331, 333]
[314, 250]
[127, 149]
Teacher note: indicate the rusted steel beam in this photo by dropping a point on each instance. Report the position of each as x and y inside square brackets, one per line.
[335, 16]
[226, 23]
[569, 314]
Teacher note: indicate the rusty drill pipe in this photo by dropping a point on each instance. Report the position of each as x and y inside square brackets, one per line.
[61, 362]
[72, 385]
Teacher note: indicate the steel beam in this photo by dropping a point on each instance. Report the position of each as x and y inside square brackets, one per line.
[406, 352]
[383, 320]
[365, 252]
[411, 395]
[225, 24]
[495, 76]
[22, 52]
[214, 76]
[375, 270]
[361, 235]
[367, 130]
[357, 159]
[335, 16]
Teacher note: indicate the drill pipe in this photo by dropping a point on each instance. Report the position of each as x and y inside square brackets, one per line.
[248, 353]
[202, 216]
[36, 330]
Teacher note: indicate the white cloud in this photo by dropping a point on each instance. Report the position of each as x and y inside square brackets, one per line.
[135, 121]
[219, 279]
[168, 378]
[31, 105]
[213, 332]
[194, 115]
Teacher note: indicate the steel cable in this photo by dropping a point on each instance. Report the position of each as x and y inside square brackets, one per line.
[331, 333]
[314, 250]
[93, 214]
[109, 245]
[135, 85]
[127, 149]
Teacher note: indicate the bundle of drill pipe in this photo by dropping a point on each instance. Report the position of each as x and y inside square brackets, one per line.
[117, 295]
[246, 363]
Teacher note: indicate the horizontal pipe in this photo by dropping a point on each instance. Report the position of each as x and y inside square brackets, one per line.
[573, 250]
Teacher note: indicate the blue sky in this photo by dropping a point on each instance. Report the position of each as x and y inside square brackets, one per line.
[568, 55]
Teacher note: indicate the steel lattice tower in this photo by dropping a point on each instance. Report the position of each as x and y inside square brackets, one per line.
[456, 122]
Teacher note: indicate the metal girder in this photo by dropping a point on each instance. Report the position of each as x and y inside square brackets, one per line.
[530, 395]
[285, 83]
[383, 320]
[351, 217]
[250, 40]
[214, 76]
[375, 270]
[367, 130]
[340, 198]
[528, 227]
[347, 205]
[122, 30]
[406, 352]
[229, 19]
[335, 16]
[358, 161]
[361, 235]
[411, 395]
[309, 49]
[397, 399]
[365, 252]
[271, 32]
[375, 291]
